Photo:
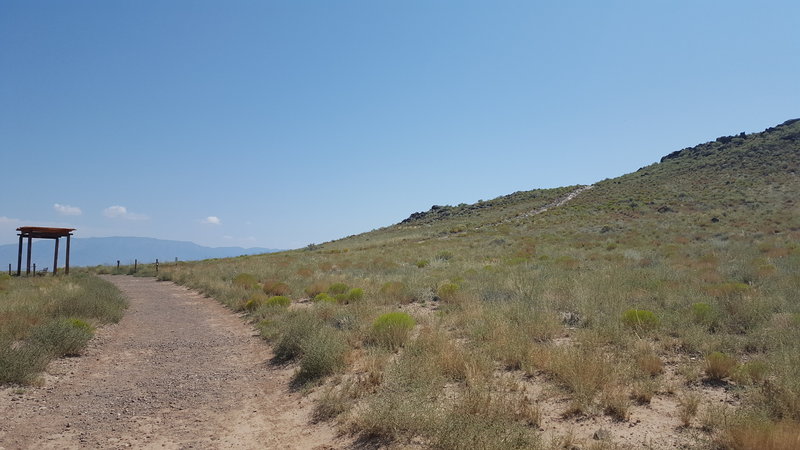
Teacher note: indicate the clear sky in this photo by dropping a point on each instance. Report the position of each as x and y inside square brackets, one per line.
[282, 123]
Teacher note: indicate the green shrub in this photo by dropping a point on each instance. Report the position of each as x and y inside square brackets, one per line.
[703, 314]
[719, 366]
[751, 372]
[324, 297]
[294, 328]
[245, 280]
[63, 337]
[20, 365]
[391, 330]
[422, 263]
[640, 319]
[272, 287]
[254, 301]
[448, 291]
[338, 288]
[323, 354]
[279, 301]
[355, 294]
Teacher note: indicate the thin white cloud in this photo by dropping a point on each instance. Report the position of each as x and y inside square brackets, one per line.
[4, 219]
[67, 210]
[121, 212]
[212, 220]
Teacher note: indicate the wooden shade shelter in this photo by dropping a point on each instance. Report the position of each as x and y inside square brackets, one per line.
[43, 233]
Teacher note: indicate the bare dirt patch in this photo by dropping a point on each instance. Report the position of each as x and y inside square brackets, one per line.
[179, 371]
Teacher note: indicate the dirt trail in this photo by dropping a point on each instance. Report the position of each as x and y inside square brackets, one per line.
[179, 371]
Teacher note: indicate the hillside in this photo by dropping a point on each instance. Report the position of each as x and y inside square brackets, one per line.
[657, 309]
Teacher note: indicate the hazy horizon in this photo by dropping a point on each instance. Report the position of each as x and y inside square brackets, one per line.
[279, 124]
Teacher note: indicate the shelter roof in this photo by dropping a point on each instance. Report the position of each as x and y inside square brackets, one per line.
[44, 232]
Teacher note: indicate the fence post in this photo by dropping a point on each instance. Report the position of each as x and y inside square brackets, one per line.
[34, 269]
[135, 264]
[9, 269]
[117, 264]
[156, 265]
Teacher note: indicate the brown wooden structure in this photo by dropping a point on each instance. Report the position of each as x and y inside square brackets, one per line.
[43, 233]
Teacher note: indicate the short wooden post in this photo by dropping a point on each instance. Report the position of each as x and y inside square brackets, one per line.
[117, 264]
[135, 264]
[34, 269]
[156, 265]
[9, 269]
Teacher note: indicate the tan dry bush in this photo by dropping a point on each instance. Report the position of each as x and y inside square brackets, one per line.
[316, 288]
[760, 435]
[395, 292]
[276, 288]
[642, 391]
[719, 366]
[584, 372]
[614, 401]
[689, 401]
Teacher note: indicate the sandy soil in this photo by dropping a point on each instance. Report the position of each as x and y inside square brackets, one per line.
[179, 371]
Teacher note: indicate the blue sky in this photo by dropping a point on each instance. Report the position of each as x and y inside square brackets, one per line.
[279, 124]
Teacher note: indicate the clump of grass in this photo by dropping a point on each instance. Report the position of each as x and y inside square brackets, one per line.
[323, 354]
[391, 330]
[316, 288]
[63, 337]
[4, 281]
[688, 407]
[245, 280]
[279, 301]
[583, 372]
[758, 434]
[704, 314]
[395, 292]
[338, 289]
[751, 372]
[254, 301]
[640, 319]
[352, 295]
[614, 402]
[20, 365]
[273, 287]
[324, 297]
[448, 291]
[422, 263]
[719, 366]
[294, 328]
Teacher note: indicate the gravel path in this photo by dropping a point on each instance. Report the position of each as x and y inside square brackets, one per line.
[179, 371]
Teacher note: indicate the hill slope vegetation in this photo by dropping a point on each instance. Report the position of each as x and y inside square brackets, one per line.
[658, 308]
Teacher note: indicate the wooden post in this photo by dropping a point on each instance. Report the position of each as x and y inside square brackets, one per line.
[28, 268]
[34, 269]
[9, 269]
[117, 264]
[19, 256]
[156, 265]
[55, 259]
[135, 264]
[66, 263]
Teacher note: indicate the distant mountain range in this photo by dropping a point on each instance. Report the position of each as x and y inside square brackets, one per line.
[107, 250]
